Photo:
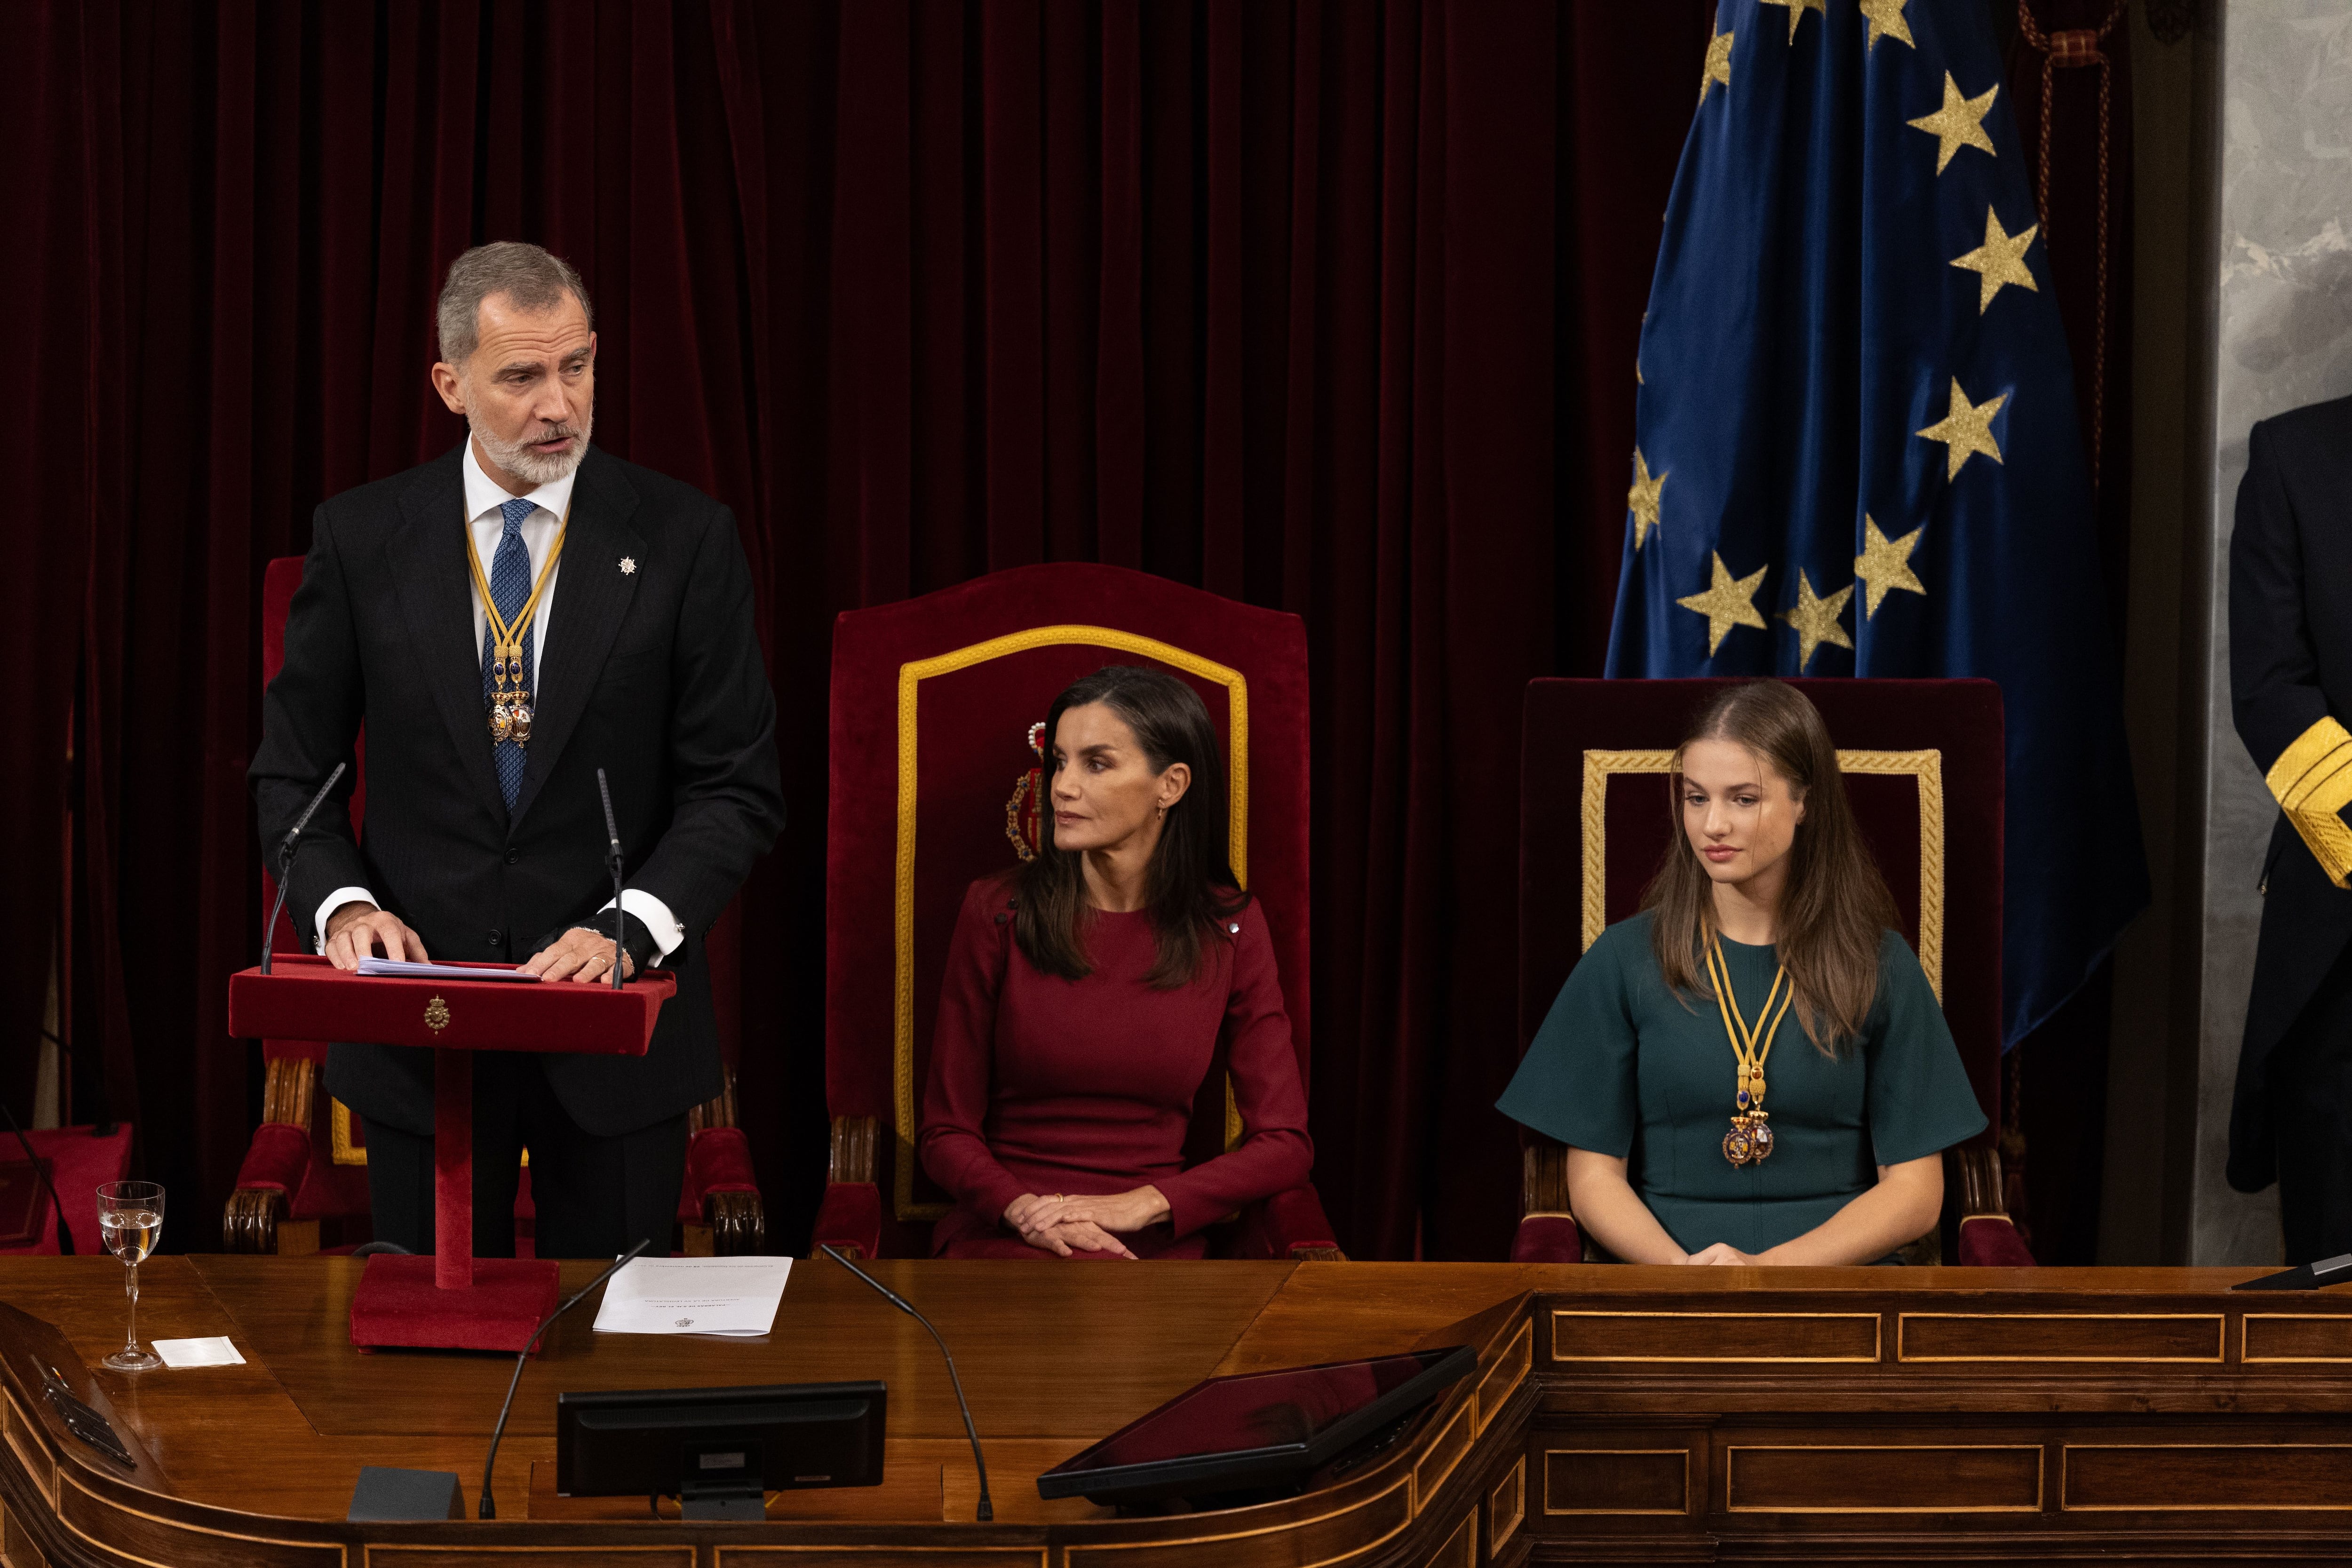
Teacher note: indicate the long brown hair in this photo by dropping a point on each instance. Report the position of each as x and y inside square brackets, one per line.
[1834, 905]
[1190, 887]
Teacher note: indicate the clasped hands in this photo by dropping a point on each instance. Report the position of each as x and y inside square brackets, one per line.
[1723, 1252]
[357, 931]
[1063, 1223]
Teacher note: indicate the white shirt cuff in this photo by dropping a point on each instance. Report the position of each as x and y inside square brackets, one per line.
[667, 932]
[336, 900]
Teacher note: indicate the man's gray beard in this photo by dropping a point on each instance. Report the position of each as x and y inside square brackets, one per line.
[519, 460]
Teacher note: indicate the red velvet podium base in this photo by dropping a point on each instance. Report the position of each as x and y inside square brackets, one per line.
[453, 1300]
[398, 1303]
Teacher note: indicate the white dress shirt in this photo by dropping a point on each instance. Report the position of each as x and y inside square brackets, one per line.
[484, 497]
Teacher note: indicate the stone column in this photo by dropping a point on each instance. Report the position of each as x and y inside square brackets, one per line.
[2281, 326]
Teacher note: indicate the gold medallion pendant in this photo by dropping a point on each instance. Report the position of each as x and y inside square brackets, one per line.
[510, 704]
[1750, 1141]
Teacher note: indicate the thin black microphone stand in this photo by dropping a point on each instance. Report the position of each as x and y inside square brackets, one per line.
[987, 1510]
[487, 1509]
[613, 861]
[287, 846]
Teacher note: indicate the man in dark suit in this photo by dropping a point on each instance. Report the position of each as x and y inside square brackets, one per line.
[2291, 681]
[505, 620]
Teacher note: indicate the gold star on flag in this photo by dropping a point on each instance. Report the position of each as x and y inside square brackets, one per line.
[1797, 9]
[1885, 565]
[1718, 65]
[1642, 498]
[1966, 429]
[1959, 123]
[1729, 602]
[2001, 259]
[1887, 21]
[1816, 619]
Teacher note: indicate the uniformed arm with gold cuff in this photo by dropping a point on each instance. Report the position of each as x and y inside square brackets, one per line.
[2312, 781]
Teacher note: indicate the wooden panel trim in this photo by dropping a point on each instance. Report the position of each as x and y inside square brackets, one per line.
[1502, 1523]
[1779, 1320]
[392, 1551]
[2274, 1320]
[1685, 1455]
[340, 1553]
[1730, 1473]
[1447, 1449]
[725, 1554]
[1461, 1548]
[1518, 1359]
[1070, 1554]
[2006, 1322]
[1010, 1555]
[26, 1438]
[2065, 1477]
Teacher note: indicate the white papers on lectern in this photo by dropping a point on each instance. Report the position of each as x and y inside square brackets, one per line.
[694, 1296]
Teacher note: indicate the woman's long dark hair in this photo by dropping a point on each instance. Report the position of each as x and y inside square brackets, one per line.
[1190, 887]
[1835, 904]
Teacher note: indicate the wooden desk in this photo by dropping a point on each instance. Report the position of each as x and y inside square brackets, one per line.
[1620, 1415]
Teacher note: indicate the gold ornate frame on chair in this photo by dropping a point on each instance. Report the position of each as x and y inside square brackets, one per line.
[849, 1142]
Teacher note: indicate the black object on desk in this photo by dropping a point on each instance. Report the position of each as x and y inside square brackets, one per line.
[2333, 1270]
[1257, 1432]
[720, 1450]
[83, 1420]
[385, 1496]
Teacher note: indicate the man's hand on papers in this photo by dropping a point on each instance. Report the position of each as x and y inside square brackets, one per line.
[356, 929]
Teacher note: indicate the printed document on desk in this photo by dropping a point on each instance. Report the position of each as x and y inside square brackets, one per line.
[694, 1296]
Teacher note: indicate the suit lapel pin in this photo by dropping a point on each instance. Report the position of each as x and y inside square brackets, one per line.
[628, 565]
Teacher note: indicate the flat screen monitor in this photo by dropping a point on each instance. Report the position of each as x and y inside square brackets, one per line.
[692, 1443]
[1258, 1430]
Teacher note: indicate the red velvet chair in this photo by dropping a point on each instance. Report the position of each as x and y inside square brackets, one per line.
[935, 696]
[303, 1186]
[1923, 760]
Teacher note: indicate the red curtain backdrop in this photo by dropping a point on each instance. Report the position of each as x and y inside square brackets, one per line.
[1326, 305]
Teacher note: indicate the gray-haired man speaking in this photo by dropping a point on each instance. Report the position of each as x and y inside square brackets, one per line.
[505, 620]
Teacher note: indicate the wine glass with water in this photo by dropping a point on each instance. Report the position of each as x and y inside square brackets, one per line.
[131, 1219]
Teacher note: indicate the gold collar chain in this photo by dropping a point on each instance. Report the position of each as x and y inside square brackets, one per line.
[510, 699]
[1750, 1138]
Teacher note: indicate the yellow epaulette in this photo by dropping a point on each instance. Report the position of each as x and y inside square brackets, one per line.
[2312, 781]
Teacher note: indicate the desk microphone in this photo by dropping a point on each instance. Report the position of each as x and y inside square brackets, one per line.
[488, 1509]
[987, 1509]
[615, 859]
[286, 847]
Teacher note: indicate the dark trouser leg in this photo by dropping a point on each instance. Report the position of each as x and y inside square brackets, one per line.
[597, 1197]
[2311, 1105]
[400, 1166]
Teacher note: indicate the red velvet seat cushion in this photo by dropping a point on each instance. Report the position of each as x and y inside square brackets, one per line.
[1548, 1238]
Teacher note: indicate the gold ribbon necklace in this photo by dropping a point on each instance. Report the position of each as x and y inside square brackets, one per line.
[1750, 1138]
[510, 699]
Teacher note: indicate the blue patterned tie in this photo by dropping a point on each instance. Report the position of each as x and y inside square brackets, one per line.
[509, 587]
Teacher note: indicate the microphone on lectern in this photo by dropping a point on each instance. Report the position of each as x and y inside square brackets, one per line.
[488, 1509]
[286, 849]
[987, 1509]
[615, 860]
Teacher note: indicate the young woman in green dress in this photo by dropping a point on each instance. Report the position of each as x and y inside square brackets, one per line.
[1753, 1069]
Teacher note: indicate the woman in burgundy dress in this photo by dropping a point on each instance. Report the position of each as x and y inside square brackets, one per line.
[1087, 992]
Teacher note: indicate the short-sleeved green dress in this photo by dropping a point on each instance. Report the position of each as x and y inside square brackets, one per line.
[1623, 1067]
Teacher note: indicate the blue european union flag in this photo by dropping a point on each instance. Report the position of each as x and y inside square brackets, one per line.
[1857, 442]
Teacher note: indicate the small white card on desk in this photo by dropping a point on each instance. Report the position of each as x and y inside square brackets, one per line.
[214, 1351]
[694, 1296]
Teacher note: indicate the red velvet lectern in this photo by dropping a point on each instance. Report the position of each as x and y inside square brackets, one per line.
[451, 1301]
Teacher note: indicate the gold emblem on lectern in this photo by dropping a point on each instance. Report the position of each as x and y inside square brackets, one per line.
[436, 1015]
